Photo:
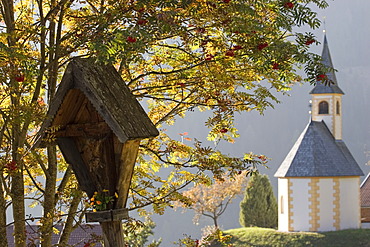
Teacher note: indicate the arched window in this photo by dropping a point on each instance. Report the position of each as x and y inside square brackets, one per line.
[338, 108]
[323, 107]
[281, 204]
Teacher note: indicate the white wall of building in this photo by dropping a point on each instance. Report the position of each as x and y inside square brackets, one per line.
[350, 203]
[300, 201]
[283, 215]
[298, 215]
[326, 206]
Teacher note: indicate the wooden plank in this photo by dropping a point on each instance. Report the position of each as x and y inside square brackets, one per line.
[73, 157]
[84, 130]
[126, 170]
[69, 107]
[99, 159]
[108, 175]
[107, 215]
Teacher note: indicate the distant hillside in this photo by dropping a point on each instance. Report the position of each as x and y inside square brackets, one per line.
[253, 236]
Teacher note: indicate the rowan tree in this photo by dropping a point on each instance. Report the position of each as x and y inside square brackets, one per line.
[176, 56]
[259, 206]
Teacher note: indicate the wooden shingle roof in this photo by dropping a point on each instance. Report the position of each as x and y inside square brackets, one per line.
[109, 95]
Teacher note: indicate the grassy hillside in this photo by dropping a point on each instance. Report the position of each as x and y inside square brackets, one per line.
[243, 237]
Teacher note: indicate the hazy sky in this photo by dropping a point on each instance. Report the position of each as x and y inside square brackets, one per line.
[347, 28]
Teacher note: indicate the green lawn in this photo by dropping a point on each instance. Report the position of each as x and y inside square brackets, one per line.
[255, 236]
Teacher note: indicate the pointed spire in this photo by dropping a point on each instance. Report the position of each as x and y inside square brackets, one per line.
[326, 60]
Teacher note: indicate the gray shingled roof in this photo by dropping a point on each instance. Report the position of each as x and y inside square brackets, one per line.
[320, 88]
[106, 90]
[317, 154]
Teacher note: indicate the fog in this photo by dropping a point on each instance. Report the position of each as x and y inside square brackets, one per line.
[274, 133]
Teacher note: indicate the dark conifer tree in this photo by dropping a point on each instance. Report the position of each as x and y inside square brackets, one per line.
[259, 206]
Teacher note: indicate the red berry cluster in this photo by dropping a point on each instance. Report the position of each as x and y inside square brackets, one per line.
[309, 42]
[142, 22]
[223, 130]
[321, 77]
[289, 5]
[11, 166]
[262, 46]
[262, 157]
[131, 39]
[19, 78]
[275, 66]
[230, 53]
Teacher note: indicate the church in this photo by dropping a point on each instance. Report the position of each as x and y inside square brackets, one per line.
[319, 180]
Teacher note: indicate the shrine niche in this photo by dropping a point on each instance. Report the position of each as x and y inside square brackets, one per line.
[98, 124]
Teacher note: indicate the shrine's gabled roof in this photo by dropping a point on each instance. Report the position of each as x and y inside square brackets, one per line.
[316, 153]
[320, 88]
[107, 92]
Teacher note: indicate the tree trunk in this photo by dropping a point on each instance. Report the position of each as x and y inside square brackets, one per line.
[17, 183]
[215, 221]
[3, 238]
[68, 226]
[49, 198]
[17, 193]
[113, 234]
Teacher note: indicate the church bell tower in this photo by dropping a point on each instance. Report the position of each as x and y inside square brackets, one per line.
[318, 181]
[327, 100]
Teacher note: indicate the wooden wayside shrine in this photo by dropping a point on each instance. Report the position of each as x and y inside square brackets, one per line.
[98, 124]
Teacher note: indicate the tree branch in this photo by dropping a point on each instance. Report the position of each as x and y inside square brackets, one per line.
[167, 72]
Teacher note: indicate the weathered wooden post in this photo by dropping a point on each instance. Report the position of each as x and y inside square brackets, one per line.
[98, 124]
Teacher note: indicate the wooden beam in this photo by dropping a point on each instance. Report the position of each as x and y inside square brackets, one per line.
[125, 170]
[113, 234]
[107, 215]
[84, 130]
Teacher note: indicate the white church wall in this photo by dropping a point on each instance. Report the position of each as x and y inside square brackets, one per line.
[326, 205]
[300, 202]
[350, 203]
[283, 215]
[295, 211]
